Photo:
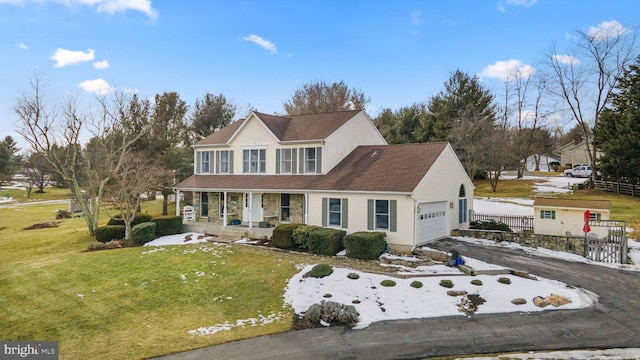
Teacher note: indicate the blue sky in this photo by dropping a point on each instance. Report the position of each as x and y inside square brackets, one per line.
[259, 52]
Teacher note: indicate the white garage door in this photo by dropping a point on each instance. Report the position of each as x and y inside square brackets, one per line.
[432, 221]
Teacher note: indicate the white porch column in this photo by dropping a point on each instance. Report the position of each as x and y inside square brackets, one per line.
[224, 210]
[250, 210]
[177, 202]
[305, 208]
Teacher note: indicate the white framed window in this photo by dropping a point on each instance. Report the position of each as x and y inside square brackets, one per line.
[335, 212]
[224, 162]
[547, 214]
[382, 215]
[205, 163]
[462, 206]
[286, 161]
[310, 160]
[595, 216]
[254, 161]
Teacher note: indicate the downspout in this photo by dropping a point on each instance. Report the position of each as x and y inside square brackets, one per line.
[415, 223]
[305, 208]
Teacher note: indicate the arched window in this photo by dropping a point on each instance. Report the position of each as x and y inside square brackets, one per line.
[462, 205]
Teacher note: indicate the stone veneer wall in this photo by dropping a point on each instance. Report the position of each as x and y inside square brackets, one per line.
[574, 245]
[271, 207]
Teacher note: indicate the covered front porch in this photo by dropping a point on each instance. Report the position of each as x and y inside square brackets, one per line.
[249, 210]
[229, 232]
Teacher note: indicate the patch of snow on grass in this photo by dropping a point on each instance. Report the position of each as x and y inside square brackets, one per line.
[259, 320]
[178, 239]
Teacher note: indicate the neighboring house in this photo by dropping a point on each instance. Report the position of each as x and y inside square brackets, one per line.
[563, 217]
[331, 169]
[573, 154]
[546, 162]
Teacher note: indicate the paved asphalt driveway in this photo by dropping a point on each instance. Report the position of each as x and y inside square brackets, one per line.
[614, 322]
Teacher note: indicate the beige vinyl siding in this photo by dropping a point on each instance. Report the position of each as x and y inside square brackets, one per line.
[566, 219]
[442, 183]
[357, 214]
[359, 130]
[253, 134]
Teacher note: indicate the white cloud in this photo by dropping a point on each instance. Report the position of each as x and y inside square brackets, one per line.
[266, 44]
[607, 29]
[97, 86]
[22, 46]
[566, 59]
[507, 70]
[523, 3]
[416, 17]
[108, 6]
[64, 57]
[101, 65]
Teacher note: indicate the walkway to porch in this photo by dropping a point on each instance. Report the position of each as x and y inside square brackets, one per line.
[229, 232]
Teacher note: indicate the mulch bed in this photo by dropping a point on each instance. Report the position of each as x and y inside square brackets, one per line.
[45, 225]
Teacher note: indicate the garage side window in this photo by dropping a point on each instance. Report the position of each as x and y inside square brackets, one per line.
[462, 206]
[382, 215]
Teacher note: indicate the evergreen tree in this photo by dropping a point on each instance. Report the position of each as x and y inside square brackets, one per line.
[617, 134]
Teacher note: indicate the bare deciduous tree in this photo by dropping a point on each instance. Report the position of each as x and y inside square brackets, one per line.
[320, 97]
[585, 77]
[58, 136]
[133, 177]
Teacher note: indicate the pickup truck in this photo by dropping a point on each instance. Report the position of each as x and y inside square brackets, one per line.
[580, 171]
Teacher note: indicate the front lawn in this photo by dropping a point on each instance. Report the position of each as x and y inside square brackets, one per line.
[138, 302]
[135, 302]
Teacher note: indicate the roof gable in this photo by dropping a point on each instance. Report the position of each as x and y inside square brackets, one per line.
[398, 168]
[306, 127]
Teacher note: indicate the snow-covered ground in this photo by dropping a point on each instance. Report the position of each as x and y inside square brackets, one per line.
[378, 303]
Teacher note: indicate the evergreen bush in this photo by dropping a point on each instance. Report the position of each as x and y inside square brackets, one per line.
[365, 245]
[167, 225]
[142, 233]
[489, 225]
[137, 219]
[416, 284]
[388, 283]
[325, 241]
[282, 236]
[104, 234]
[301, 235]
[320, 271]
[446, 283]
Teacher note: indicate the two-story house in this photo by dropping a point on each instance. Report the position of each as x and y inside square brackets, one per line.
[331, 169]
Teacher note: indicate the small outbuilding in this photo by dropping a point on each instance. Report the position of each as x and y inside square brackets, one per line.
[566, 217]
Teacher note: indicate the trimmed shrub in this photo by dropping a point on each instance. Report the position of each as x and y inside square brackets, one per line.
[107, 233]
[476, 282]
[63, 214]
[282, 236]
[489, 225]
[301, 235]
[353, 276]
[320, 271]
[365, 245]
[325, 241]
[167, 225]
[504, 280]
[388, 283]
[137, 219]
[333, 313]
[446, 283]
[142, 233]
[416, 284]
